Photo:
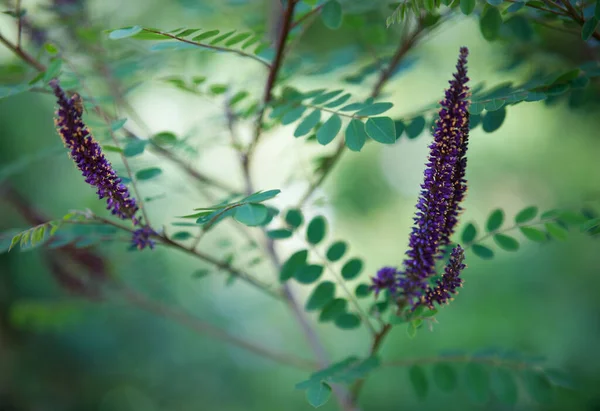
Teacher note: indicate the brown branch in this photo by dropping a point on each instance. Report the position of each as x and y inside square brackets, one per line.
[22, 54]
[307, 15]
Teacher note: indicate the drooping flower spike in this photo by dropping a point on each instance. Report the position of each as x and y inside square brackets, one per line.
[443, 188]
[97, 170]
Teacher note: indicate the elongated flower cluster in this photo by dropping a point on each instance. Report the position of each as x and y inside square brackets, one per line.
[450, 281]
[97, 170]
[443, 188]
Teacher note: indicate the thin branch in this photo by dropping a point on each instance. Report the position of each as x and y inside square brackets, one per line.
[22, 54]
[19, 23]
[208, 46]
[202, 327]
[288, 16]
[513, 227]
[307, 15]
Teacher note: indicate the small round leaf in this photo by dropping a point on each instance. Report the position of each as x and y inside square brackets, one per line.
[336, 251]
[482, 251]
[469, 233]
[534, 234]
[419, 381]
[308, 274]
[329, 130]
[363, 290]
[506, 242]
[477, 382]
[352, 269]
[347, 321]
[495, 220]
[296, 260]
[333, 309]
[294, 218]
[526, 214]
[321, 296]
[445, 377]
[381, 129]
[315, 232]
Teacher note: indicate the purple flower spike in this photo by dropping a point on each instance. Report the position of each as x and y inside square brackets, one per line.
[385, 279]
[142, 238]
[443, 188]
[450, 281]
[87, 155]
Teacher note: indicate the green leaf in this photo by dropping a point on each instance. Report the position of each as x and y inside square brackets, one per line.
[374, 109]
[308, 274]
[469, 233]
[338, 101]
[477, 382]
[294, 218]
[308, 123]
[495, 220]
[556, 231]
[238, 38]
[419, 381]
[538, 386]
[218, 88]
[490, 23]
[118, 124]
[53, 69]
[329, 130]
[381, 129]
[356, 135]
[467, 6]
[148, 173]
[325, 97]
[321, 296]
[279, 234]
[289, 268]
[492, 120]
[124, 32]
[293, 115]
[526, 214]
[504, 386]
[260, 196]
[363, 290]
[251, 214]
[352, 269]
[445, 377]
[506, 242]
[222, 37]
[336, 251]
[164, 138]
[415, 128]
[333, 310]
[589, 27]
[347, 321]
[318, 394]
[482, 251]
[181, 235]
[135, 148]
[331, 14]
[315, 232]
[205, 35]
[533, 234]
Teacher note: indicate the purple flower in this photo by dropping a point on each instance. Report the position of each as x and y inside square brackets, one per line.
[385, 279]
[443, 188]
[450, 281]
[97, 170]
[142, 238]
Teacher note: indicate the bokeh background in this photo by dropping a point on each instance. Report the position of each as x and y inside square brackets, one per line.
[59, 352]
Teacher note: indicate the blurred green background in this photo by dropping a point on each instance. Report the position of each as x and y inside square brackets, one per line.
[110, 355]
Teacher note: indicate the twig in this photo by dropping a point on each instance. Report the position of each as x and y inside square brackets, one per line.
[307, 15]
[22, 54]
[202, 327]
[19, 23]
[208, 46]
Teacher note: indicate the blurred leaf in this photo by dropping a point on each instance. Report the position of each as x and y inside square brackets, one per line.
[331, 14]
[356, 135]
[482, 251]
[315, 232]
[589, 27]
[381, 129]
[308, 123]
[419, 382]
[260, 196]
[279, 234]
[308, 274]
[526, 214]
[556, 231]
[352, 269]
[181, 235]
[538, 386]
[469, 233]
[318, 394]
[347, 321]
[294, 218]
[329, 130]
[445, 376]
[415, 128]
[490, 23]
[251, 214]
[124, 32]
[533, 234]
[321, 296]
[205, 35]
[164, 138]
[336, 251]
[293, 115]
[495, 220]
[53, 69]
[467, 6]
[44, 315]
[506, 242]
[362, 290]
[504, 386]
[374, 109]
[148, 173]
[477, 382]
[296, 261]
[135, 148]
[333, 310]
[492, 120]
